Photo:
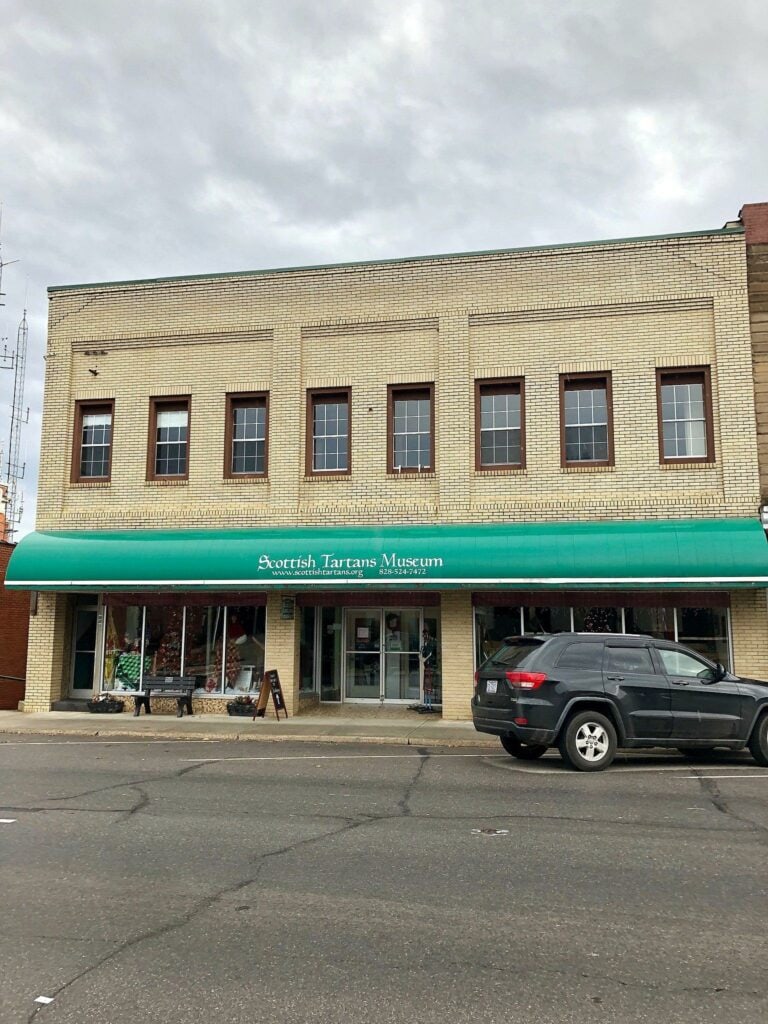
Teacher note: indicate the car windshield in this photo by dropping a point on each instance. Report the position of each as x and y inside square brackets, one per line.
[513, 655]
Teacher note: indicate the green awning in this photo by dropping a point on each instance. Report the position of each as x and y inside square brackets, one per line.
[695, 553]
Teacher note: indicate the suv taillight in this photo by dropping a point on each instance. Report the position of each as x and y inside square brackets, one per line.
[526, 680]
[477, 679]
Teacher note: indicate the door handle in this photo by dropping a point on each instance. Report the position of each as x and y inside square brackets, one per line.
[615, 679]
[679, 682]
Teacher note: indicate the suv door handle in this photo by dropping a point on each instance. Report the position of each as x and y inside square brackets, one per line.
[679, 682]
[616, 679]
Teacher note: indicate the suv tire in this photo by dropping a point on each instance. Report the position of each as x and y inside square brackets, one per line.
[758, 741]
[523, 751]
[588, 741]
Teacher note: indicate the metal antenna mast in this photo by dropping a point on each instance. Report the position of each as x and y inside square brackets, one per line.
[15, 468]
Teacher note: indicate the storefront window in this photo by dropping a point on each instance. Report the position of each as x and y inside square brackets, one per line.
[122, 648]
[307, 650]
[706, 631]
[203, 638]
[597, 620]
[657, 622]
[492, 625]
[547, 620]
[245, 648]
[331, 653]
[162, 644]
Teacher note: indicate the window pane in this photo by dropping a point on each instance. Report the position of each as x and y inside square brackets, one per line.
[171, 442]
[122, 649]
[684, 427]
[202, 647]
[492, 625]
[244, 666]
[656, 622]
[163, 640]
[596, 620]
[411, 435]
[500, 433]
[547, 620]
[583, 656]
[95, 443]
[706, 631]
[676, 663]
[628, 659]
[330, 428]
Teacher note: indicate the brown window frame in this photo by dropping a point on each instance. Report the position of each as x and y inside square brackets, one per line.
[393, 391]
[240, 399]
[82, 407]
[686, 375]
[582, 380]
[166, 403]
[309, 460]
[499, 386]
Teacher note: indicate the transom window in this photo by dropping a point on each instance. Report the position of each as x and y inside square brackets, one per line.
[499, 424]
[246, 436]
[328, 431]
[411, 447]
[685, 416]
[586, 420]
[169, 434]
[93, 442]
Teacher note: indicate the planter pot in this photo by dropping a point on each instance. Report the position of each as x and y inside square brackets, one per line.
[240, 710]
[105, 707]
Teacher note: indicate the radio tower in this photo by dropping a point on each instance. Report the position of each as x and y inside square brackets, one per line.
[15, 468]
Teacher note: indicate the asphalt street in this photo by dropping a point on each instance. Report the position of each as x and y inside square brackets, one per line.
[194, 882]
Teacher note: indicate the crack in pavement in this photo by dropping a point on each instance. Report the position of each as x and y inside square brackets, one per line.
[404, 802]
[142, 802]
[714, 794]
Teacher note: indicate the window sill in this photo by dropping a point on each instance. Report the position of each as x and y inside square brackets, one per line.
[170, 481]
[412, 474]
[687, 465]
[80, 484]
[342, 474]
[588, 469]
[501, 471]
[246, 478]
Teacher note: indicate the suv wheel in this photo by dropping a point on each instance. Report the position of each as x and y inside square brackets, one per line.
[524, 751]
[758, 741]
[588, 742]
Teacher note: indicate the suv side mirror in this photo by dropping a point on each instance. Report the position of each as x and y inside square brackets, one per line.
[720, 672]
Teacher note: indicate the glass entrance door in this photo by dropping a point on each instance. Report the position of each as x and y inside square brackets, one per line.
[381, 660]
[83, 653]
[402, 668]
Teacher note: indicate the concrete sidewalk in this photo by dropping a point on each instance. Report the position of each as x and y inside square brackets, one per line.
[416, 730]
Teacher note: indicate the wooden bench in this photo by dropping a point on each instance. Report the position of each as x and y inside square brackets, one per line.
[180, 687]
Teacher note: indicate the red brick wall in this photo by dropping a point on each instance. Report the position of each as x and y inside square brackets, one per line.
[754, 217]
[14, 627]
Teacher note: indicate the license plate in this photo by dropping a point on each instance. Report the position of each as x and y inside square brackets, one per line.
[491, 685]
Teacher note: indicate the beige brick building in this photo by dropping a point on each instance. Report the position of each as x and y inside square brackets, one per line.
[306, 468]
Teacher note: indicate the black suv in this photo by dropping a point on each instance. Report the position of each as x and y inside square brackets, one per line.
[589, 693]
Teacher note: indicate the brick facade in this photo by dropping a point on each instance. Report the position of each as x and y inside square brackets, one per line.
[627, 307]
[14, 626]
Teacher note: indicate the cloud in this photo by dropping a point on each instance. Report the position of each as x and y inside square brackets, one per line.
[152, 137]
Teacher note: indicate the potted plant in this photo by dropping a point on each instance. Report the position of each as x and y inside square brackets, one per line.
[242, 706]
[105, 704]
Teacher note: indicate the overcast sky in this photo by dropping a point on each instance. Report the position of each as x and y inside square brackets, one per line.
[157, 137]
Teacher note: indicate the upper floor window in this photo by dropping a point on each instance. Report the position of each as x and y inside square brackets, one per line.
[328, 431]
[586, 417]
[685, 415]
[168, 438]
[499, 424]
[92, 451]
[246, 435]
[411, 439]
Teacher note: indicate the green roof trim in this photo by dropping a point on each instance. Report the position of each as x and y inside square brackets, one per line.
[397, 260]
[698, 554]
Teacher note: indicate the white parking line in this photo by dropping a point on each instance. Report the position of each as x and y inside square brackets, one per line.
[737, 777]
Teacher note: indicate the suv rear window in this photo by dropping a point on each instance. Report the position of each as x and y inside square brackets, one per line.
[513, 655]
[587, 655]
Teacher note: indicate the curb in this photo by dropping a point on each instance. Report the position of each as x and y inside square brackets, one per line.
[198, 737]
